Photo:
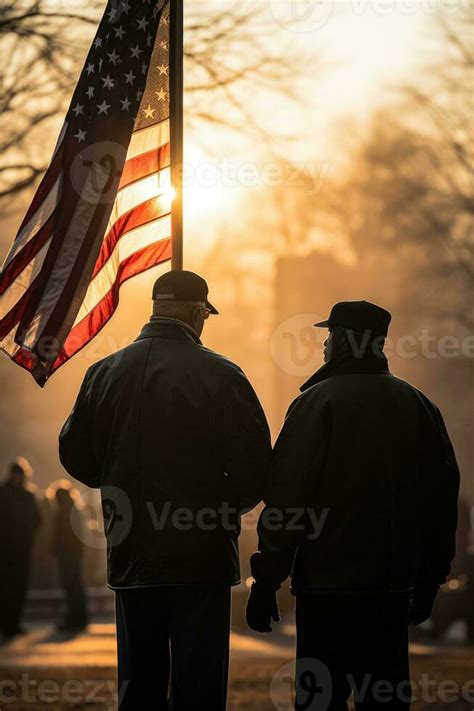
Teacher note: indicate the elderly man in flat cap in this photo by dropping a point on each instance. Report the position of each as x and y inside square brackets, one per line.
[176, 439]
[361, 510]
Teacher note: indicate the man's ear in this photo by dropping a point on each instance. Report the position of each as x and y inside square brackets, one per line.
[196, 317]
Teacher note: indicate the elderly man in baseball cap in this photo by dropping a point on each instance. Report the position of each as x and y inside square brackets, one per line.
[176, 439]
[364, 483]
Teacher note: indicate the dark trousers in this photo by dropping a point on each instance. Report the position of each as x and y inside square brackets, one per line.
[75, 597]
[180, 632]
[14, 575]
[348, 644]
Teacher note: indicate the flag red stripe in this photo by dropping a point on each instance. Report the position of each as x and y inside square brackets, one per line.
[24, 257]
[24, 359]
[144, 165]
[142, 214]
[90, 326]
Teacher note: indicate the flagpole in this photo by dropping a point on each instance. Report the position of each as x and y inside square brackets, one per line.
[176, 128]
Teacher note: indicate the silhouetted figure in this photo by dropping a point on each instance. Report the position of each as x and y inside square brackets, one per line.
[365, 484]
[176, 439]
[67, 547]
[19, 519]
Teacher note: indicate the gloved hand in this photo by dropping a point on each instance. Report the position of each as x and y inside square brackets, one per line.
[262, 608]
[422, 603]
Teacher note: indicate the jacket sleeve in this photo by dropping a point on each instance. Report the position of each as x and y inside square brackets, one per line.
[438, 506]
[247, 444]
[75, 440]
[285, 522]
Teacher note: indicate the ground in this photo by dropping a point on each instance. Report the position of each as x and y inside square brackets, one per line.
[44, 672]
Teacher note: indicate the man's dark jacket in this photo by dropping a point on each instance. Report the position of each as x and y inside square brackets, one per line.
[370, 456]
[176, 439]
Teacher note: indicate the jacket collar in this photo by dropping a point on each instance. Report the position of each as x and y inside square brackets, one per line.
[348, 364]
[159, 327]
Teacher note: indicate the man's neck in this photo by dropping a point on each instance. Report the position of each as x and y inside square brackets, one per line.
[169, 319]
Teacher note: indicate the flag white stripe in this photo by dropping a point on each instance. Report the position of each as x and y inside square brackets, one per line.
[139, 192]
[8, 344]
[149, 139]
[132, 242]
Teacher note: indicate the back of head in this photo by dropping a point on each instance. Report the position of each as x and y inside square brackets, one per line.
[182, 296]
[20, 472]
[178, 310]
[357, 329]
[63, 493]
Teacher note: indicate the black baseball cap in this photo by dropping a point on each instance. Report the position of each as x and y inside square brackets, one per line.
[182, 286]
[359, 316]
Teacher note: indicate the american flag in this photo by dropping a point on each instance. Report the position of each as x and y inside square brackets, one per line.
[102, 212]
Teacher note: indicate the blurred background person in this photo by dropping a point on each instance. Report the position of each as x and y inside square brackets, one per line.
[67, 548]
[19, 520]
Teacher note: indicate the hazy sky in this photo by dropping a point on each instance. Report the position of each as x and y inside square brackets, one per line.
[352, 51]
[359, 51]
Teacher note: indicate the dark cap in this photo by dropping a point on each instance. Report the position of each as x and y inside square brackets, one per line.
[182, 286]
[359, 316]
